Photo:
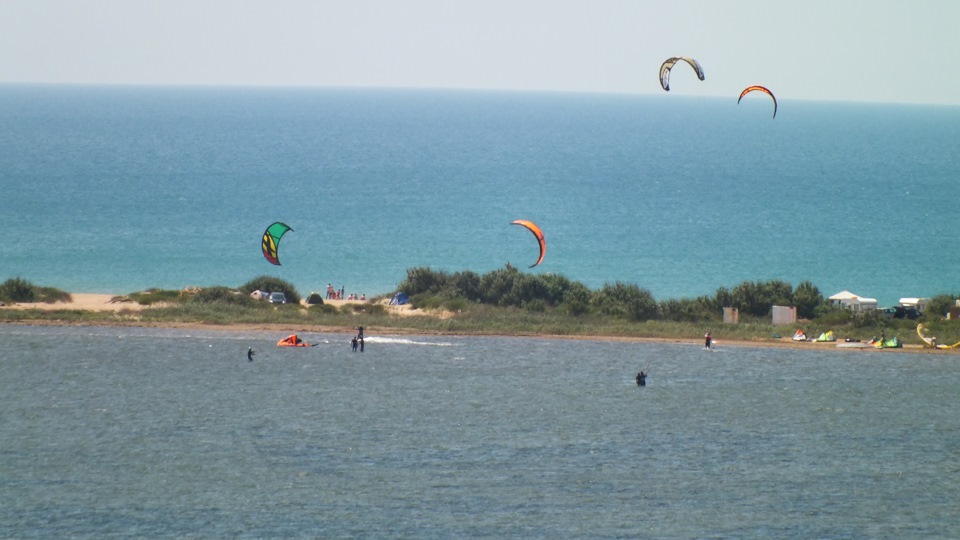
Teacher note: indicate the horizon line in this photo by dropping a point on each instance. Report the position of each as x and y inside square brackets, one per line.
[266, 86]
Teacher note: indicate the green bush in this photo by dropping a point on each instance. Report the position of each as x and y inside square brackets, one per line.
[457, 304]
[426, 301]
[559, 289]
[703, 308]
[536, 306]
[21, 290]
[423, 280]
[758, 298]
[326, 309]
[271, 284]
[940, 305]
[18, 290]
[576, 299]
[807, 298]
[51, 295]
[527, 289]
[502, 287]
[222, 295]
[627, 301]
[367, 309]
[466, 285]
[829, 316]
[871, 319]
[495, 286]
[150, 297]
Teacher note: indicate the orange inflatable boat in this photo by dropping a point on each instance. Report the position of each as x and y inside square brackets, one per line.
[292, 340]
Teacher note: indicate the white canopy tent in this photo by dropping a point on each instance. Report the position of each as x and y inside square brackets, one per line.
[853, 302]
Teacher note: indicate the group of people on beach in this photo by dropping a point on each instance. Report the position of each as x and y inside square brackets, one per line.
[334, 294]
[338, 294]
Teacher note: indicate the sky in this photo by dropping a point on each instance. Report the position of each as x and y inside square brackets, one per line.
[835, 50]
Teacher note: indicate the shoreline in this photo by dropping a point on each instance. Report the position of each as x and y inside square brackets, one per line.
[107, 302]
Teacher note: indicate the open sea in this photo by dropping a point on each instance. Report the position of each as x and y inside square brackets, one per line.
[111, 432]
[119, 189]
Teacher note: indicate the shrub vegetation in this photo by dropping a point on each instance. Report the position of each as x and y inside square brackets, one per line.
[21, 290]
[271, 284]
[507, 300]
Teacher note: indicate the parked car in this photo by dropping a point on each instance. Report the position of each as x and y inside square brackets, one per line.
[278, 298]
[900, 312]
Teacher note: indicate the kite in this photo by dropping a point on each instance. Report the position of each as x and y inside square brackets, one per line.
[759, 89]
[536, 232]
[668, 65]
[271, 238]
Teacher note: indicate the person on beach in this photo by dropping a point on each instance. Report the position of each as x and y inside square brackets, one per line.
[642, 378]
[353, 343]
[250, 353]
[707, 340]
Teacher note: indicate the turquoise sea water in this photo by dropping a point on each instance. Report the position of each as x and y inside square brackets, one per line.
[112, 189]
[171, 433]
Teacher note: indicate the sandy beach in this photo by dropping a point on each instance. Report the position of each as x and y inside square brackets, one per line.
[83, 302]
[118, 303]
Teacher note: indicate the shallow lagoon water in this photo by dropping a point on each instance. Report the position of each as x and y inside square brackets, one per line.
[121, 432]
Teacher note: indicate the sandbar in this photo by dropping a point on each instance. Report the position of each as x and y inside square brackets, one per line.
[118, 303]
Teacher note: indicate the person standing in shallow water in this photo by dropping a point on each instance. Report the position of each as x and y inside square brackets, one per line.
[707, 340]
[353, 344]
[642, 378]
[250, 353]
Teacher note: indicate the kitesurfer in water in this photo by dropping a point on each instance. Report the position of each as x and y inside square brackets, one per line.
[707, 340]
[361, 344]
[360, 332]
[642, 378]
[250, 353]
[353, 344]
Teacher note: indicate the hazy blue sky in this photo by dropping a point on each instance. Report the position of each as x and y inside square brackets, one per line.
[869, 50]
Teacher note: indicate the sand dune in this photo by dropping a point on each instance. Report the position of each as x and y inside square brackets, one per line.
[83, 302]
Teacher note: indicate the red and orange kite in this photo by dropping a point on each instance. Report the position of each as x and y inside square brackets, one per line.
[532, 227]
[757, 88]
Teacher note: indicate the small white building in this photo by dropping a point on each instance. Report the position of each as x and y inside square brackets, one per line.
[784, 315]
[853, 302]
[919, 304]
